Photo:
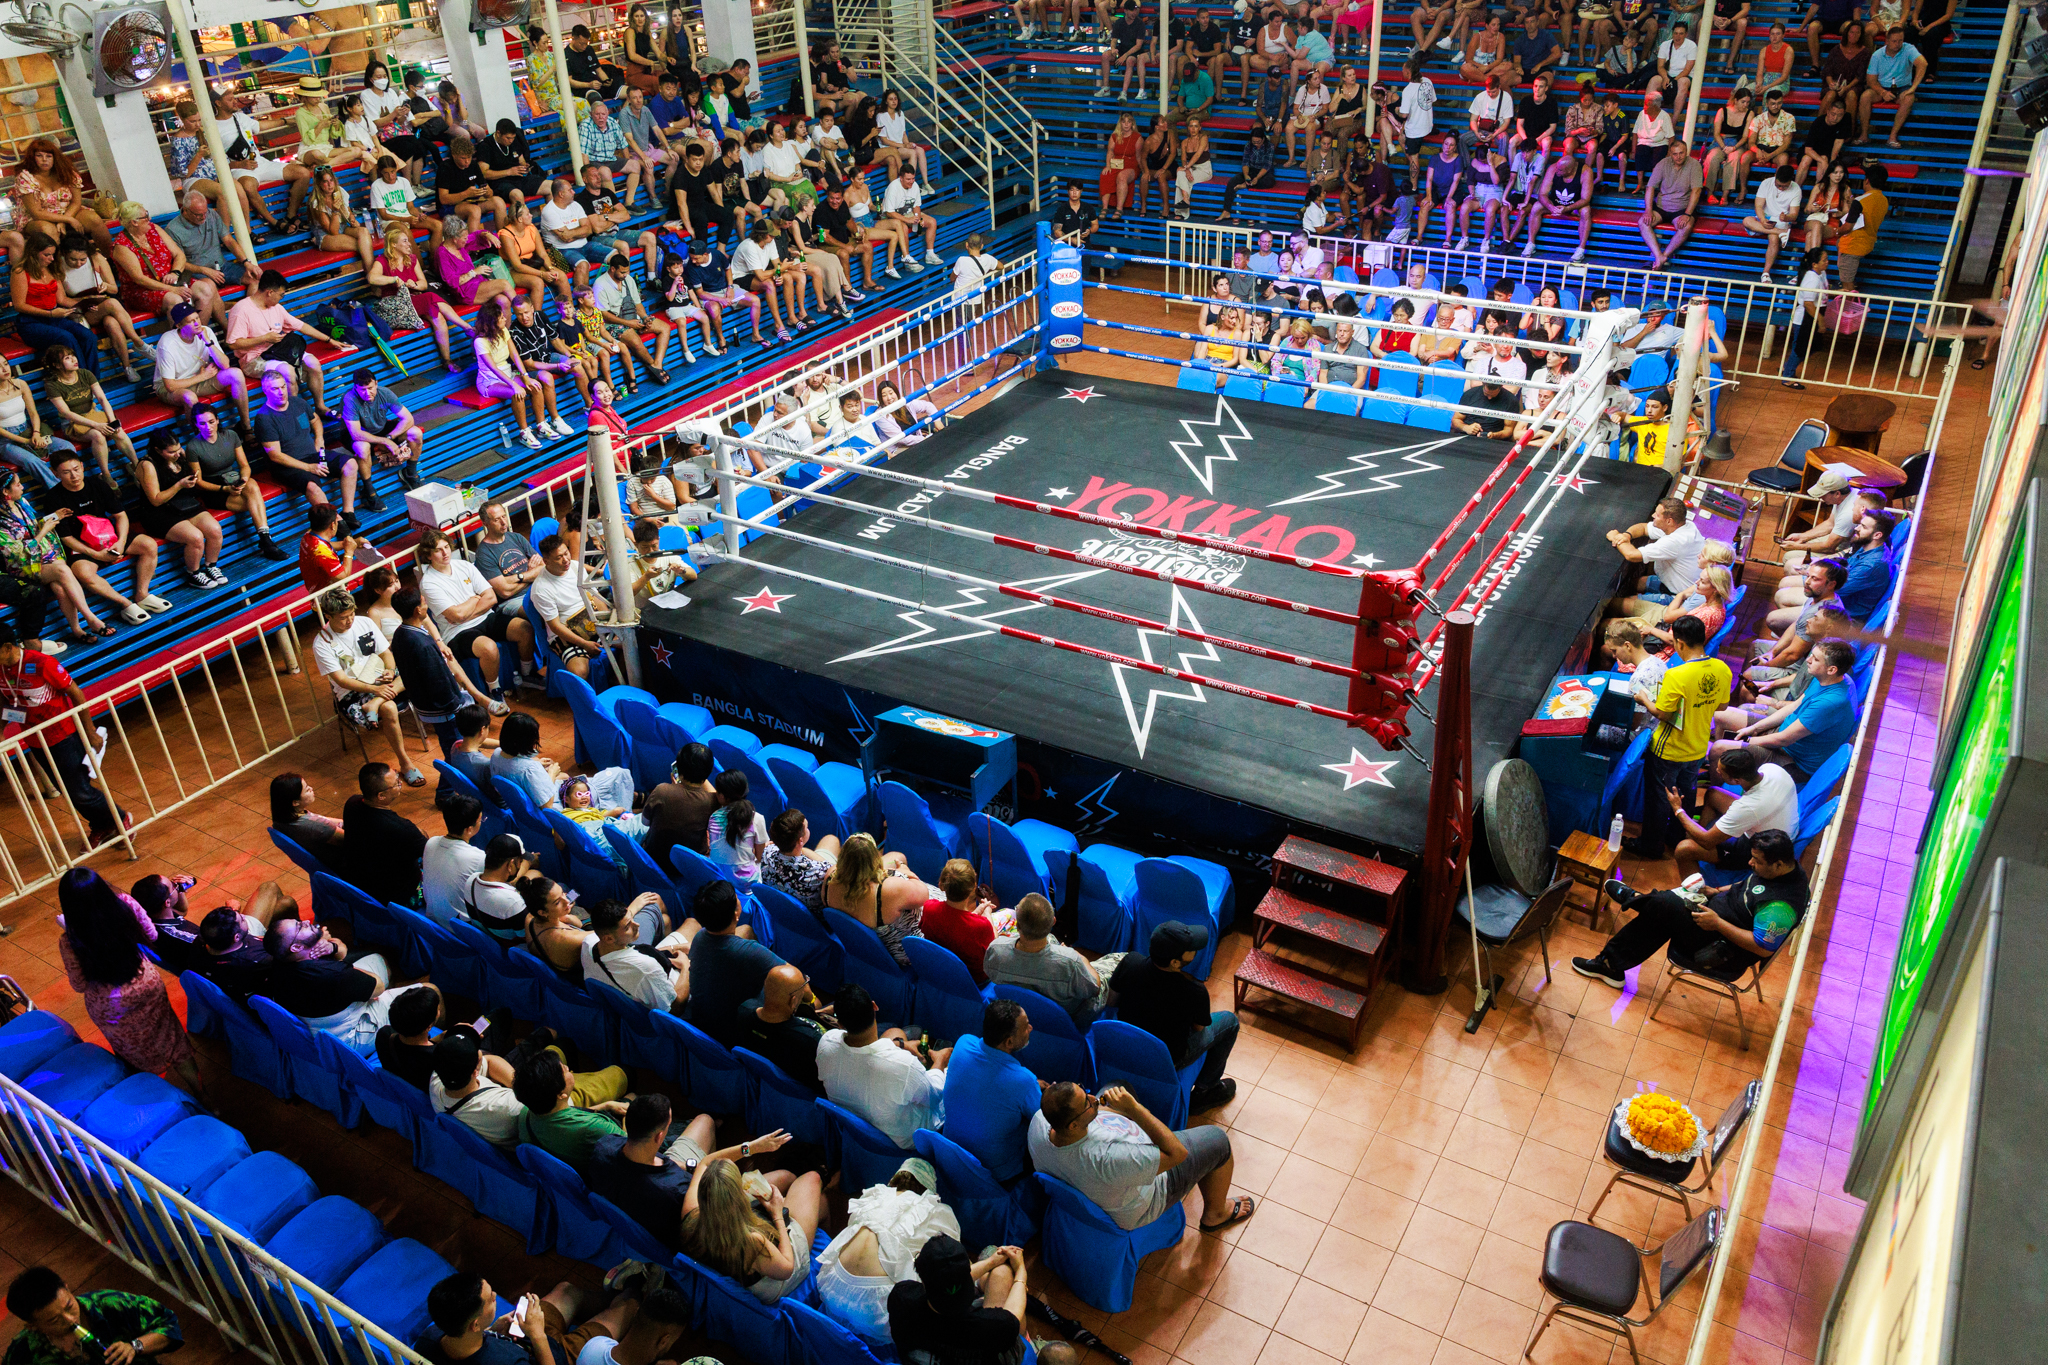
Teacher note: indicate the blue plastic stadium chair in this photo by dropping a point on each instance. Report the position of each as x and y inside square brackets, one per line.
[1344, 274]
[194, 1153]
[251, 1053]
[1330, 400]
[824, 1340]
[726, 738]
[1094, 1258]
[544, 656]
[377, 1090]
[867, 1156]
[591, 870]
[1244, 386]
[920, 836]
[1283, 394]
[1824, 781]
[1386, 409]
[507, 988]
[1124, 1054]
[543, 527]
[436, 952]
[1198, 377]
[136, 1112]
[1720, 637]
[718, 1083]
[312, 1079]
[454, 779]
[570, 1009]
[1812, 823]
[643, 874]
[1108, 897]
[327, 1240]
[371, 918]
[581, 1233]
[732, 1313]
[652, 744]
[989, 1214]
[1445, 383]
[70, 1080]
[1057, 1051]
[1190, 890]
[306, 863]
[870, 964]
[776, 1099]
[754, 504]
[639, 1044]
[1623, 792]
[1019, 858]
[499, 1189]
[832, 796]
[762, 788]
[802, 940]
[947, 1002]
[534, 831]
[1650, 372]
[32, 1039]
[693, 872]
[259, 1195]
[390, 1289]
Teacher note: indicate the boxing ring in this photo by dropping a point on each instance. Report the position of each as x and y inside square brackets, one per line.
[1209, 619]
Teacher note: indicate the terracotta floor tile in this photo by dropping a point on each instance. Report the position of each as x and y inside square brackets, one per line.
[1256, 1161]
[1419, 1122]
[1441, 1241]
[1495, 1327]
[1281, 1235]
[1385, 1060]
[1193, 1263]
[1549, 1172]
[1417, 1294]
[1348, 1263]
[1585, 1085]
[1394, 1165]
[1570, 1127]
[1271, 1116]
[1333, 1142]
[1321, 1318]
[1455, 1353]
[1252, 1286]
[1593, 1042]
[1509, 1269]
[1525, 1216]
[1306, 1187]
[1378, 1215]
[1564, 1344]
[1218, 1336]
[1159, 1312]
[1384, 1339]
[1503, 1104]
[1440, 1080]
[1280, 1350]
[1357, 1099]
[1526, 1064]
[1297, 1075]
[1462, 1192]
[1482, 1146]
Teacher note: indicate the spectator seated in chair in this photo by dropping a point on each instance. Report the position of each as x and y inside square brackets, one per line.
[405, 1046]
[1134, 1168]
[1722, 937]
[1867, 572]
[965, 922]
[314, 977]
[490, 897]
[1035, 961]
[464, 1325]
[794, 864]
[475, 1086]
[785, 1024]
[1670, 546]
[959, 1310]
[657, 975]
[292, 815]
[993, 1097]
[1153, 991]
[647, 1174]
[385, 848]
[449, 860]
[235, 959]
[56, 1324]
[880, 1074]
[1804, 733]
[177, 945]
[1769, 800]
[566, 1114]
[727, 966]
[656, 1325]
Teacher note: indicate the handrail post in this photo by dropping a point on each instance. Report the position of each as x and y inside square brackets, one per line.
[202, 95]
[569, 128]
[803, 59]
[1682, 386]
[1699, 71]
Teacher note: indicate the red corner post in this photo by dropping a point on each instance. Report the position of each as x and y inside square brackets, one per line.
[1448, 841]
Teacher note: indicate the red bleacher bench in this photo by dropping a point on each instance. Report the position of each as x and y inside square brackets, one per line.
[969, 10]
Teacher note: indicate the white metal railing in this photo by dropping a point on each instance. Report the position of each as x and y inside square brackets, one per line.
[178, 730]
[255, 1300]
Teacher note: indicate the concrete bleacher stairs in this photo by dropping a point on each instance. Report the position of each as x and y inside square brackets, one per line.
[458, 435]
[1057, 82]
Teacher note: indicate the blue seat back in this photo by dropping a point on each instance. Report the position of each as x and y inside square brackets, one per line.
[569, 1008]
[693, 871]
[1381, 409]
[1824, 780]
[439, 954]
[1057, 1051]
[136, 1112]
[924, 840]
[371, 918]
[502, 1189]
[867, 1155]
[533, 831]
[801, 940]
[507, 987]
[1126, 1055]
[252, 1054]
[653, 740]
[1169, 890]
[638, 1043]
[1330, 400]
[1623, 793]
[825, 1340]
[1097, 1259]
[832, 796]
[718, 1083]
[946, 1003]
[729, 743]
[871, 964]
[775, 1099]
[591, 869]
[34, 1038]
[312, 1079]
[989, 1214]
[1007, 864]
[644, 875]
[1244, 386]
[581, 1233]
[1813, 822]
[1108, 899]
[496, 821]
[373, 1089]
[1284, 394]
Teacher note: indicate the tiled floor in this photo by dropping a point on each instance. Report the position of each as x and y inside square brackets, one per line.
[1405, 1190]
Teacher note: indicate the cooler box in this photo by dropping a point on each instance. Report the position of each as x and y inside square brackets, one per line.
[438, 504]
[1579, 732]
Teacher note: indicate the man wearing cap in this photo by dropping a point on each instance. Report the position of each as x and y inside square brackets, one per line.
[190, 365]
[878, 1076]
[1153, 991]
[380, 428]
[1116, 1154]
[1845, 504]
[960, 1311]
[992, 1096]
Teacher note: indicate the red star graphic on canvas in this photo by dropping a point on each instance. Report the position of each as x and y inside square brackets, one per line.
[1576, 482]
[1362, 769]
[765, 600]
[1082, 395]
[662, 652]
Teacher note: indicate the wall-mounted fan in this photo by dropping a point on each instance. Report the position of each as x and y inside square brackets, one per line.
[131, 46]
[486, 15]
[41, 26]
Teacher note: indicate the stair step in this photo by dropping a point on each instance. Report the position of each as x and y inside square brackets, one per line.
[1281, 909]
[1316, 993]
[1334, 865]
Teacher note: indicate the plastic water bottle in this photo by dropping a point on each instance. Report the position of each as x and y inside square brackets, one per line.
[1614, 835]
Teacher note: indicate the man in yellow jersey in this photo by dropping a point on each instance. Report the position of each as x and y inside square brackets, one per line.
[1694, 687]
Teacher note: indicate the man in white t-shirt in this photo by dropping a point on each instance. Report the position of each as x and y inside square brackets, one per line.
[463, 606]
[970, 272]
[1418, 115]
[612, 955]
[352, 654]
[190, 365]
[904, 202]
[557, 596]
[564, 226]
[1671, 548]
[475, 1087]
[878, 1076]
[450, 860]
[1675, 57]
[1776, 215]
[1769, 800]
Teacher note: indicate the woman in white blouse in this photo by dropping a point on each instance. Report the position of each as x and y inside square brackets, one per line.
[897, 148]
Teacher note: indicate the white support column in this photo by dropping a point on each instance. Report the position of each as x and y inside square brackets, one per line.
[209, 130]
[729, 35]
[1699, 73]
[117, 141]
[803, 61]
[1689, 352]
[479, 65]
[1372, 77]
[561, 55]
[1165, 100]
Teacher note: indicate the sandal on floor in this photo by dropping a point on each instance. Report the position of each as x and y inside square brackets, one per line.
[1976, 364]
[1241, 1208]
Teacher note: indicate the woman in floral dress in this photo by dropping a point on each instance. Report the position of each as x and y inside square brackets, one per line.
[124, 992]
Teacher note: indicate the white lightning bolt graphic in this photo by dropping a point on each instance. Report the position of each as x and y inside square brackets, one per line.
[1335, 485]
[1183, 618]
[1206, 472]
[924, 634]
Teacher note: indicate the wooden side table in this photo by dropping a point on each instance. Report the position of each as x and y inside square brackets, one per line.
[1589, 862]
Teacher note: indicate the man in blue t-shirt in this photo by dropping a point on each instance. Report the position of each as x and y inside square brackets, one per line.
[1805, 733]
[725, 969]
[990, 1095]
[1869, 563]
